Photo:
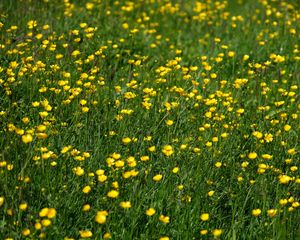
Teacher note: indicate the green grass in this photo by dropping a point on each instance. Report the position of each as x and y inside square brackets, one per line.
[226, 73]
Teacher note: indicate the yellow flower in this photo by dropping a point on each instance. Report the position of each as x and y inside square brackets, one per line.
[231, 54]
[85, 109]
[217, 232]
[85, 233]
[150, 212]
[256, 212]
[245, 57]
[43, 114]
[86, 189]
[295, 204]
[10, 167]
[218, 164]
[290, 209]
[107, 235]
[10, 212]
[27, 138]
[75, 53]
[283, 202]
[145, 158]
[224, 135]
[102, 178]
[23, 206]
[152, 149]
[78, 171]
[292, 151]
[268, 137]
[211, 193]
[125, 25]
[240, 111]
[272, 212]
[164, 238]
[37, 226]
[113, 194]
[86, 207]
[168, 150]
[42, 135]
[125, 205]
[116, 156]
[2, 199]
[126, 140]
[244, 164]
[240, 178]
[284, 179]
[25, 120]
[252, 155]
[25, 232]
[44, 212]
[294, 168]
[101, 217]
[67, 238]
[169, 122]
[204, 217]
[42, 235]
[49, 212]
[31, 24]
[287, 128]
[157, 177]
[46, 222]
[164, 219]
[183, 146]
[65, 149]
[89, 6]
[257, 134]
[267, 156]
[203, 232]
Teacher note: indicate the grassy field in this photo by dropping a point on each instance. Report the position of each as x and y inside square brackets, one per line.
[149, 119]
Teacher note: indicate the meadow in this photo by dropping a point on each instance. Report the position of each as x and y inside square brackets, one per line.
[149, 119]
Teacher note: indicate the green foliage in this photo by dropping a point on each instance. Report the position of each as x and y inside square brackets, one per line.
[149, 119]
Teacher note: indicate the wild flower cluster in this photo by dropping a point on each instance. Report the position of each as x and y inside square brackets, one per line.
[149, 119]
